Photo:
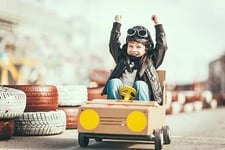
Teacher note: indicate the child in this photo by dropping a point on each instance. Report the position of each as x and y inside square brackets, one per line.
[137, 61]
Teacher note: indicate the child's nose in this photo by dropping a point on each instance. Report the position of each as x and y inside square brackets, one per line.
[135, 49]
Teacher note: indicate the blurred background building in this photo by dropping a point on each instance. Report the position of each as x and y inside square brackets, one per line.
[65, 42]
[39, 46]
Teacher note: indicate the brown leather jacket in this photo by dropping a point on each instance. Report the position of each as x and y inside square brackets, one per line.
[149, 62]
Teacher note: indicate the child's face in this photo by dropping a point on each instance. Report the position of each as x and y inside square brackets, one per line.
[135, 49]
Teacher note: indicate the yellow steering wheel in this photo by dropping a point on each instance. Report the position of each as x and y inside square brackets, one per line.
[127, 92]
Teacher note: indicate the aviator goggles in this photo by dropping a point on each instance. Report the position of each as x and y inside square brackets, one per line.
[142, 33]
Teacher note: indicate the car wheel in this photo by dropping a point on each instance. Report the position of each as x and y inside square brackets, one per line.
[82, 140]
[158, 139]
[98, 139]
[166, 134]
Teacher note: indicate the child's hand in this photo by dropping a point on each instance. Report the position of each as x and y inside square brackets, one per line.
[118, 18]
[155, 19]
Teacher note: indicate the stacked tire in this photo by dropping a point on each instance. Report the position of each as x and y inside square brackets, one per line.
[6, 128]
[189, 101]
[71, 97]
[99, 76]
[12, 105]
[41, 115]
[174, 102]
[208, 100]
[95, 93]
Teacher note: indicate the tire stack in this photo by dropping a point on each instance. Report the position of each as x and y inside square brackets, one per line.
[197, 101]
[99, 78]
[193, 101]
[71, 97]
[12, 105]
[95, 93]
[174, 102]
[189, 101]
[41, 115]
[208, 100]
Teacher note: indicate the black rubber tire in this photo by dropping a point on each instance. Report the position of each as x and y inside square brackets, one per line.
[158, 139]
[83, 140]
[166, 134]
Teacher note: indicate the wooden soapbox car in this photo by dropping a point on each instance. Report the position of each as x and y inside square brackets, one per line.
[123, 119]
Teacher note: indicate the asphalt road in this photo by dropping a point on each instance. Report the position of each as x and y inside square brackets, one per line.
[203, 130]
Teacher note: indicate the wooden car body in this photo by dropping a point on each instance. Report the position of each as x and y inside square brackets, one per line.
[119, 119]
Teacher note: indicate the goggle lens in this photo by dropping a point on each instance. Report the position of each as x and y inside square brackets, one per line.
[131, 32]
[142, 33]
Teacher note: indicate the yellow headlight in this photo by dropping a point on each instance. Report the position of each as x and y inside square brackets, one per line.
[136, 121]
[89, 119]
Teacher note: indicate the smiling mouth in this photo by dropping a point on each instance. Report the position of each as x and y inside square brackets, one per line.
[135, 53]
